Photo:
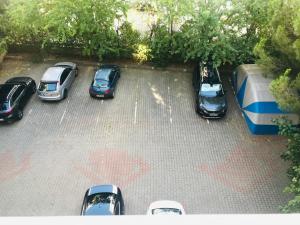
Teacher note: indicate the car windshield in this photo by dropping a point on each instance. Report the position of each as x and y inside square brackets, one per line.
[211, 90]
[49, 86]
[100, 83]
[101, 198]
[4, 106]
[103, 74]
[166, 211]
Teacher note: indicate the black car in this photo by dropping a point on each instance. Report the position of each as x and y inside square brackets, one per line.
[210, 96]
[14, 95]
[103, 200]
[105, 81]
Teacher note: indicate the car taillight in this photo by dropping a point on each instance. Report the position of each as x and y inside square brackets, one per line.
[107, 91]
[7, 112]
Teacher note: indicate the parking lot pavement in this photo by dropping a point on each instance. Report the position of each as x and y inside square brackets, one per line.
[148, 140]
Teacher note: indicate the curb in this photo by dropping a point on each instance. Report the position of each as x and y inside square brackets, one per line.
[130, 65]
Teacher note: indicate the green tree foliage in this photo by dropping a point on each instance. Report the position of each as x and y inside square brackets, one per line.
[278, 48]
[204, 35]
[278, 51]
[245, 23]
[128, 40]
[206, 30]
[184, 30]
[292, 154]
[86, 24]
[3, 45]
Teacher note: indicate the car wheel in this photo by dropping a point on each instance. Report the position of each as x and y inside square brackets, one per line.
[65, 94]
[19, 115]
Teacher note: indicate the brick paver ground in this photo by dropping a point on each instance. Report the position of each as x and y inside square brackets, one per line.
[148, 140]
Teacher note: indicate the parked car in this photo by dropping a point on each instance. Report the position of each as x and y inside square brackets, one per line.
[56, 81]
[103, 200]
[105, 81]
[14, 95]
[210, 96]
[165, 208]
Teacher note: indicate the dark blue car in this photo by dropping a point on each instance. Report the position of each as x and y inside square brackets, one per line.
[103, 200]
[105, 81]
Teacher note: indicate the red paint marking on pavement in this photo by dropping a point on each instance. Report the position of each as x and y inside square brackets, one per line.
[111, 166]
[11, 166]
[244, 170]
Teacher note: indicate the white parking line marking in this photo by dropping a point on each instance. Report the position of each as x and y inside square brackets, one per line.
[97, 120]
[207, 121]
[61, 119]
[29, 112]
[170, 107]
[102, 101]
[135, 111]
[136, 104]
[65, 111]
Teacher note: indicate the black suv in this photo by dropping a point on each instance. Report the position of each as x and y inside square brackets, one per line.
[14, 95]
[210, 97]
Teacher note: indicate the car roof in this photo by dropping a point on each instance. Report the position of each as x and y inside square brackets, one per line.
[7, 90]
[103, 74]
[53, 73]
[19, 80]
[106, 188]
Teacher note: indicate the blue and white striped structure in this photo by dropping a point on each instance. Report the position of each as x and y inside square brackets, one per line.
[256, 101]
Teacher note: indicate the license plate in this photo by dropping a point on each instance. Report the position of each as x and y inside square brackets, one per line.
[213, 114]
[100, 96]
[1, 119]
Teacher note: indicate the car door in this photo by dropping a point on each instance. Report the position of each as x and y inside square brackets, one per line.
[69, 78]
[121, 202]
[19, 98]
[112, 79]
[64, 79]
[117, 208]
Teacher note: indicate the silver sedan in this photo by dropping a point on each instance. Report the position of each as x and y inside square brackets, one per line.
[57, 81]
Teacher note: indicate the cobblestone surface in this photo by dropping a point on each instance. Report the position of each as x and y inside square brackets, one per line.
[148, 140]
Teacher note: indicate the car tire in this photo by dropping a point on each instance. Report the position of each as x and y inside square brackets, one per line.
[65, 94]
[19, 115]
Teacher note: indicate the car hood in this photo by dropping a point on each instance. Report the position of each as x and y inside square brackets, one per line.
[213, 103]
[100, 209]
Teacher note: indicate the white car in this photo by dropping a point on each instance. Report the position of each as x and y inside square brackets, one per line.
[165, 208]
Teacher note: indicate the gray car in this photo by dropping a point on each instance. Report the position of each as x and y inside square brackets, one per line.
[56, 81]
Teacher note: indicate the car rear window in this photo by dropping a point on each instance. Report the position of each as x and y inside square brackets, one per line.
[166, 211]
[101, 198]
[48, 86]
[4, 106]
[100, 83]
